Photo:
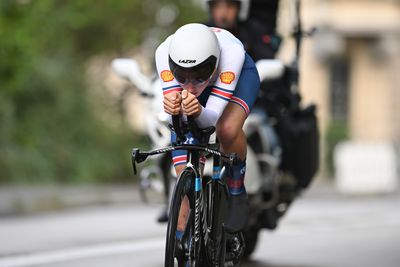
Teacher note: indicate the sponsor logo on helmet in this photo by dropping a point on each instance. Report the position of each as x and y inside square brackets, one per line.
[166, 76]
[187, 61]
[227, 77]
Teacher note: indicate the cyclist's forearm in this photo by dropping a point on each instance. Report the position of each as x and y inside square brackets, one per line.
[207, 118]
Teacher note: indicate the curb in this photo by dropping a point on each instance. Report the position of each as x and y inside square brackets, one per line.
[19, 200]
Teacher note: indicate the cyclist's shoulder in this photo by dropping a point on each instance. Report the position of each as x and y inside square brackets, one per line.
[163, 48]
[224, 35]
[229, 44]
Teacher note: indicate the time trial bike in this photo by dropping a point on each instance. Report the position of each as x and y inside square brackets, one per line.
[205, 241]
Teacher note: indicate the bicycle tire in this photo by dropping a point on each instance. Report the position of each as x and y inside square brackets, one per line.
[173, 249]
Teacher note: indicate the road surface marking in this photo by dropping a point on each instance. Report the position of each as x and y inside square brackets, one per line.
[81, 253]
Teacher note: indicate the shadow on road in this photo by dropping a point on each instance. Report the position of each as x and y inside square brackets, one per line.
[253, 263]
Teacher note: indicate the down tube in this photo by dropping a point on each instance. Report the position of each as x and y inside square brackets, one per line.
[197, 220]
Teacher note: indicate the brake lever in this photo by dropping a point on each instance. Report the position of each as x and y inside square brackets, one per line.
[134, 153]
[137, 157]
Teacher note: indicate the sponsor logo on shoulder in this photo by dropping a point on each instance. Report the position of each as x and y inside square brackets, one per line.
[166, 76]
[227, 77]
[187, 61]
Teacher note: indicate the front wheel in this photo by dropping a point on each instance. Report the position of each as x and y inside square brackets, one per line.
[180, 249]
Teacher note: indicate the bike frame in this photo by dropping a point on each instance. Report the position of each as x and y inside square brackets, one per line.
[209, 195]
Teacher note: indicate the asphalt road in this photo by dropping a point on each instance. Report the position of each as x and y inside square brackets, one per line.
[322, 229]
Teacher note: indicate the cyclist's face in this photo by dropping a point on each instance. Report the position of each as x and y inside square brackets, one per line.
[194, 82]
[195, 88]
[224, 14]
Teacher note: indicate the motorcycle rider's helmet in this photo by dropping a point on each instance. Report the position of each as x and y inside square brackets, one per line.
[193, 56]
[211, 2]
[243, 6]
[233, 1]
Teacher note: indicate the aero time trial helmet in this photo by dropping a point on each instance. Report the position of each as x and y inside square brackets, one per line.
[194, 55]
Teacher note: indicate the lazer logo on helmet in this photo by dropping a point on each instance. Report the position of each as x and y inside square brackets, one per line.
[187, 61]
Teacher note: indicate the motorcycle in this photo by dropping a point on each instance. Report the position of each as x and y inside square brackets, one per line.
[157, 178]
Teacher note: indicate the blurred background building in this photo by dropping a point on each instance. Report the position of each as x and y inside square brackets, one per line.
[351, 66]
[351, 69]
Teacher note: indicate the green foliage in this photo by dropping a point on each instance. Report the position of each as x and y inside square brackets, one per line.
[337, 131]
[49, 131]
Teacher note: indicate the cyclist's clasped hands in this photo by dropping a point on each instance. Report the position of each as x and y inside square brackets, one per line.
[174, 102]
[190, 104]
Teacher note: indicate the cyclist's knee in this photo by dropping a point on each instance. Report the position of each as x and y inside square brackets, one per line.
[229, 125]
[227, 132]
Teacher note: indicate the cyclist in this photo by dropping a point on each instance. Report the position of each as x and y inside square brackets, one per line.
[258, 35]
[206, 73]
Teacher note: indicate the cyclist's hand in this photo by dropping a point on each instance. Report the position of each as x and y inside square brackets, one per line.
[191, 106]
[172, 103]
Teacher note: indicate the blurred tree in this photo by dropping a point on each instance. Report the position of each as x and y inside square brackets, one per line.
[48, 129]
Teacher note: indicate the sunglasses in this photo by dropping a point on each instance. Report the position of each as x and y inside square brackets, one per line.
[195, 75]
[193, 78]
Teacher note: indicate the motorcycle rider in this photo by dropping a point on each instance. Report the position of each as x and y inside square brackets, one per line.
[259, 38]
[206, 73]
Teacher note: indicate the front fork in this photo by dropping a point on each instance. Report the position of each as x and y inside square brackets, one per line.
[197, 203]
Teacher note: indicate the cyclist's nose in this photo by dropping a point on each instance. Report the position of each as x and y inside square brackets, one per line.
[190, 87]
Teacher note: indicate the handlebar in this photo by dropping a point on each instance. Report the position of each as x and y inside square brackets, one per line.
[181, 130]
[138, 157]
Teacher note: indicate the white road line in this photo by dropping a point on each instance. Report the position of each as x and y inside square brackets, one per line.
[81, 253]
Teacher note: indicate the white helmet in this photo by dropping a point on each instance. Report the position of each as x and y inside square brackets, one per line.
[193, 54]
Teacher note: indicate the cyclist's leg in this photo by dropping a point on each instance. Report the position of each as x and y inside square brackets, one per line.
[230, 124]
[233, 140]
[229, 130]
